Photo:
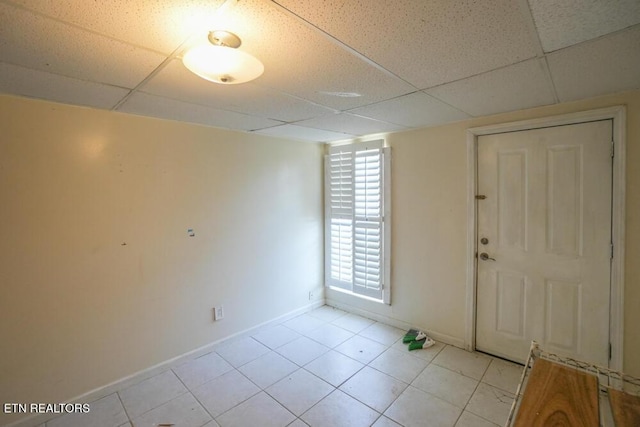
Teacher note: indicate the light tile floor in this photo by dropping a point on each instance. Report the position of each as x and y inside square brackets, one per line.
[322, 368]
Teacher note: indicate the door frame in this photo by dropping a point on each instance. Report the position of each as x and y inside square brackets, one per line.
[616, 312]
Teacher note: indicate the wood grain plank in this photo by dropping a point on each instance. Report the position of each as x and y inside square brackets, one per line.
[625, 408]
[558, 396]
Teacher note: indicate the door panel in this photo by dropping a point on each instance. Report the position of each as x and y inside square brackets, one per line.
[547, 224]
[563, 314]
[512, 197]
[510, 303]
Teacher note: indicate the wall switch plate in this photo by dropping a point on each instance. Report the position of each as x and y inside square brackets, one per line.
[218, 313]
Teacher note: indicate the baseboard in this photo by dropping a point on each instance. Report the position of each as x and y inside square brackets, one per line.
[144, 374]
[447, 339]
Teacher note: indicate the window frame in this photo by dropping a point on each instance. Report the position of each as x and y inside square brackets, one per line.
[385, 220]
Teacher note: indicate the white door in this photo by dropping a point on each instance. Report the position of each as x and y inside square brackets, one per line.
[544, 241]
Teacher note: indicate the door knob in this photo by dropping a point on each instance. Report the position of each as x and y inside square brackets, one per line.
[485, 256]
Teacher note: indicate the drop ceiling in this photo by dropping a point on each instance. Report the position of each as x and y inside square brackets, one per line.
[412, 63]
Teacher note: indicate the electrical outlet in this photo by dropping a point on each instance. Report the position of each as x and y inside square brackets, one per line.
[218, 313]
[312, 295]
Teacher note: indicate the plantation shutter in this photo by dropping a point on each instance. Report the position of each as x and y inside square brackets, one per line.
[340, 171]
[367, 276]
[356, 188]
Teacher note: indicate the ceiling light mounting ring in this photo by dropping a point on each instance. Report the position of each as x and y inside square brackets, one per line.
[224, 38]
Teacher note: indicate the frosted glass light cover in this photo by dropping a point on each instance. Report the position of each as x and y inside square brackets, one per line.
[221, 64]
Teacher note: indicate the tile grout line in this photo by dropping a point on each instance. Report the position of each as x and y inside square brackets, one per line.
[282, 404]
[334, 388]
[343, 382]
[192, 394]
[479, 381]
[288, 375]
[241, 402]
[203, 406]
[123, 408]
[474, 392]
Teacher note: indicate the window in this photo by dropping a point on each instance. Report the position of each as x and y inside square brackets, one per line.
[357, 218]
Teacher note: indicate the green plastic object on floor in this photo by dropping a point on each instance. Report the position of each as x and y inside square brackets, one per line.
[423, 343]
[410, 335]
[414, 335]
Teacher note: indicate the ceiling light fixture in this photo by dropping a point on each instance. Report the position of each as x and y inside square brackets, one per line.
[221, 62]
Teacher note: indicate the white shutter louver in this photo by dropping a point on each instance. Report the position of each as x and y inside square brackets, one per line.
[341, 260]
[356, 187]
[367, 277]
[341, 183]
[340, 173]
[368, 175]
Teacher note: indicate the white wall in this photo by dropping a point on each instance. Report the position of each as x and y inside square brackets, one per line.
[98, 276]
[429, 211]
[78, 309]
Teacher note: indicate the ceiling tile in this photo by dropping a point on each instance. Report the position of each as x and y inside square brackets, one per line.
[300, 61]
[427, 42]
[414, 110]
[155, 106]
[39, 84]
[519, 86]
[351, 124]
[562, 23]
[175, 81]
[161, 25]
[609, 64]
[467, 56]
[40, 43]
[304, 133]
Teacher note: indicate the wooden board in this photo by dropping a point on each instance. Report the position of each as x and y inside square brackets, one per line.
[558, 396]
[625, 408]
